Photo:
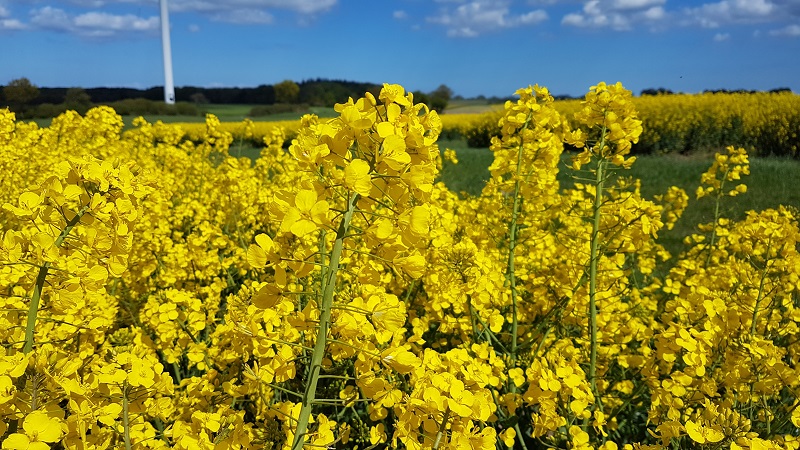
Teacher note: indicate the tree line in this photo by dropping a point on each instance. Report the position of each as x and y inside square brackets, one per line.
[28, 100]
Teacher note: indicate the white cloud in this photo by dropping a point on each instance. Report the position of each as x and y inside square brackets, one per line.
[713, 15]
[474, 18]
[621, 5]
[92, 24]
[654, 13]
[791, 31]
[720, 37]
[617, 14]
[84, 23]
[234, 11]
[400, 15]
[51, 18]
[301, 6]
[11, 25]
[194, 28]
[215, 6]
[244, 16]
[105, 21]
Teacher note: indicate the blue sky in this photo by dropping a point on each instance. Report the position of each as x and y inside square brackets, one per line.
[489, 47]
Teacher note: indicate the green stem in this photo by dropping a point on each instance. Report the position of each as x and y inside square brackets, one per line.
[713, 239]
[760, 292]
[33, 309]
[594, 259]
[512, 244]
[125, 417]
[442, 428]
[472, 314]
[520, 437]
[324, 324]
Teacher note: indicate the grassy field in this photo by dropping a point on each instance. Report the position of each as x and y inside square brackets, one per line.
[235, 113]
[225, 113]
[771, 182]
[471, 107]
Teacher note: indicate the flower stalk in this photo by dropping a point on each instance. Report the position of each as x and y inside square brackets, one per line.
[33, 309]
[325, 308]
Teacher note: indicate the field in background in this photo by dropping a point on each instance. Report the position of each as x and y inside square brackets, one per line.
[772, 182]
[471, 107]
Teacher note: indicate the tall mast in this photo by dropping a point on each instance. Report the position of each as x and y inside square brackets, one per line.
[169, 85]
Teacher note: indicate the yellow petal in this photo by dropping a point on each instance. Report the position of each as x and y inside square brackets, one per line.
[694, 432]
[264, 241]
[267, 297]
[256, 256]
[302, 227]
[16, 441]
[45, 428]
[305, 199]
[385, 129]
[420, 220]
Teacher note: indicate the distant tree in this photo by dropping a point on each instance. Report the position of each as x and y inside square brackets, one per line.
[421, 97]
[198, 98]
[263, 95]
[19, 94]
[440, 97]
[443, 92]
[287, 91]
[77, 99]
[322, 92]
[659, 91]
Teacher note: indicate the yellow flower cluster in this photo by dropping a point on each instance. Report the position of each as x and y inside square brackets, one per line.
[763, 123]
[246, 131]
[158, 292]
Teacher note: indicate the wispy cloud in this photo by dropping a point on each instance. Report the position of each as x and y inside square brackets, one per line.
[301, 6]
[624, 15]
[265, 6]
[721, 37]
[714, 15]
[617, 14]
[11, 25]
[108, 18]
[91, 24]
[790, 31]
[244, 16]
[7, 23]
[474, 18]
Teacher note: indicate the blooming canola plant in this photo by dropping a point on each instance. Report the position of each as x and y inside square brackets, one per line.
[158, 292]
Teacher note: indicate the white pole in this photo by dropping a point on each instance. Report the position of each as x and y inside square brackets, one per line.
[169, 85]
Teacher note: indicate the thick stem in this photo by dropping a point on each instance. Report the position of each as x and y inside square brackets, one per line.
[33, 308]
[442, 429]
[324, 324]
[126, 425]
[512, 244]
[594, 259]
[520, 438]
[510, 274]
